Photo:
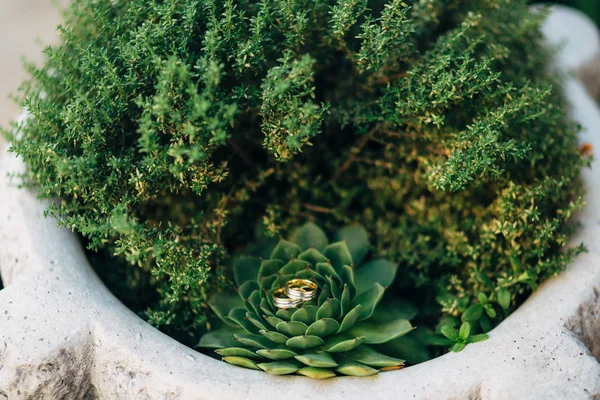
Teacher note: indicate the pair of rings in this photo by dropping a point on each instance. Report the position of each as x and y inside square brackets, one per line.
[294, 293]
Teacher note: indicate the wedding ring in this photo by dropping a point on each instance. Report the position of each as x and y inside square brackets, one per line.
[301, 289]
[281, 299]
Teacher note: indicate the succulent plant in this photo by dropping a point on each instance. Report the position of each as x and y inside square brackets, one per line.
[335, 332]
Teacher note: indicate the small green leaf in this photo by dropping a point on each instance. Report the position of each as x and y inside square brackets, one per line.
[281, 367]
[277, 354]
[270, 267]
[356, 239]
[477, 338]
[304, 342]
[285, 251]
[342, 343]
[489, 310]
[323, 327]
[381, 271]
[369, 300]
[273, 336]
[292, 328]
[367, 355]
[318, 359]
[456, 347]
[504, 298]
[316, 373]
[450, 332]
[377, 334]
[306, 314]
[485, 324]
[241, 362]
[330, 309]
[350, 319]
[473, 313]
[257, 341]
[310, 235]
[483, 299]
[238, 352]
[245, 269]
[313, 257]
[465, 330]
[353, 368]
[338, 254]
[222, 302]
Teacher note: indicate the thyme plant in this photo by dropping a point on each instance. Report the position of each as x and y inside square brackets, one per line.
[176, 132]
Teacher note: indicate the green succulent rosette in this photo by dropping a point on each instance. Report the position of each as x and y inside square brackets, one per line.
[335, 333]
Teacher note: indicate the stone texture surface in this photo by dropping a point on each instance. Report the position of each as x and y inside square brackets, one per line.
[63, 335]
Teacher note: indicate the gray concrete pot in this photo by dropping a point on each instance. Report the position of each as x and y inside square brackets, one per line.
[64, 336]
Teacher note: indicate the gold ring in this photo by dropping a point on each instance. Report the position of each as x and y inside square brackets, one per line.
[281, 300]
[301, 289]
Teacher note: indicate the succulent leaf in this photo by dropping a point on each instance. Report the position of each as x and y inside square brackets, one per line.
[285, 251]
[273, 336]
[293, 267]
[238, 316]
[342, 343]
[332, 308]
[323, 327]
[269, 267]
[245, 269]
[254, 341]
[246, 289]
[316, 373]
[321, 336]
[356, 239]
[238, 352]
[281, 367]
[306, 314]
[327, 270]
[312, 256]
[318, 359]
[338, 254]
[292, 328]
[350, 318]
[368, 356]
[277, 354]
[304, 342]
[241, 362]
[310, 235]
[222, 302]
[353, 368]
[380, 271]
[377, 334]
[369, 300]
[219, 338]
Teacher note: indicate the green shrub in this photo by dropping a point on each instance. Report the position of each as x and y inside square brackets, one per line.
[170, 130]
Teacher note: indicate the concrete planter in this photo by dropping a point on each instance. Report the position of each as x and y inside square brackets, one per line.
[64, 336]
